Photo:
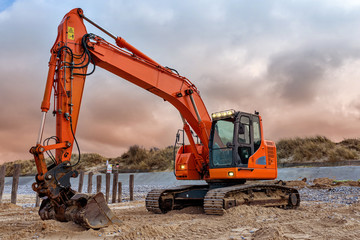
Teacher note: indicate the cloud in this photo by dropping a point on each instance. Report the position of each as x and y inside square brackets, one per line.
[298, 75]
[295, 62]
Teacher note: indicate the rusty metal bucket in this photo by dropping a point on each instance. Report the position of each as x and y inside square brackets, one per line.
[90, 211]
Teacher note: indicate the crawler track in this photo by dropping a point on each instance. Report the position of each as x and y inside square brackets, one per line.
[220, 199]
[152, 201]
[216, 201]
[164, 200]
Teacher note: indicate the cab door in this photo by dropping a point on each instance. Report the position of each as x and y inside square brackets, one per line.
[248, 138]
[244, 140]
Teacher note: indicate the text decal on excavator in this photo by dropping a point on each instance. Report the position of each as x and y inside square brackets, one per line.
[71, 33]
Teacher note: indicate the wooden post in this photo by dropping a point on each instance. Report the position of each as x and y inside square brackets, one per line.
[115, 181]
[37, 203]
[107, 190]
[98, 183]
[131, 187]
[2, 180]
[81, 181]
[119, 191]
[90, 175]
[15, 183]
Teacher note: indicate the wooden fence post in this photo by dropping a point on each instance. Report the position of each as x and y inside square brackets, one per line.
[15, 183]
[119, 191]
[98, 183]
[90, 175]
[107, 190]
[37, 203]
[81, 181]
[115, 181]
[131, 187]
[2, 180]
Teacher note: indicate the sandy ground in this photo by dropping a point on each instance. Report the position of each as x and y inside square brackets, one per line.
[312, 220]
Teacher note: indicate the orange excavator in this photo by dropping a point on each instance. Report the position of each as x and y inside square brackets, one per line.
[231, 147]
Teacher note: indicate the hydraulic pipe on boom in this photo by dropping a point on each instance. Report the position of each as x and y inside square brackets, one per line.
[120, 41]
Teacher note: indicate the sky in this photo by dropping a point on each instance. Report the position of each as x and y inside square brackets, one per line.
[296, 62]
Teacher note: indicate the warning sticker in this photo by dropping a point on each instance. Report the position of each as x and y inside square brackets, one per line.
[71, 33]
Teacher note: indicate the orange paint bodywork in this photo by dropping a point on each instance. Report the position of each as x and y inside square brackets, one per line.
[253, 171]
[192, 161]
[186, 165]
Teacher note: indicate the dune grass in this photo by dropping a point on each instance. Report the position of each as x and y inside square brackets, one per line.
[293, 150]
[317, 149]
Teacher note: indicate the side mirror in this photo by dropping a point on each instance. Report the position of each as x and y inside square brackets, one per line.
[241, 128]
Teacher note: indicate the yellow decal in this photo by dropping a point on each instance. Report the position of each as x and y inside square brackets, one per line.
[71, 33]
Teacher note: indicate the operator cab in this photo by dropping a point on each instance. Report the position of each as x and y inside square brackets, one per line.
[235, 136]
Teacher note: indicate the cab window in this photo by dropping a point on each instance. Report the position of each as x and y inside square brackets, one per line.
[245, 136]
[221, 154]
[257, 133]
[224, 132]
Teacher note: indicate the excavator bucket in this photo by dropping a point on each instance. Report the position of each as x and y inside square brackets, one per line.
[89, 211]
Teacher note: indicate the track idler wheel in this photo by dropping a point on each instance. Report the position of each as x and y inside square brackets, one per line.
[294, 200]
[89, 211]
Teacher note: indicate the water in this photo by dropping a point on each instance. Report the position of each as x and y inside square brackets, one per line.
[144, 182]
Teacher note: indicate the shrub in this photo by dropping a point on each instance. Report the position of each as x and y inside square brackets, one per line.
[319, 148]
[302, 149]
[341, 153]
[351, 143]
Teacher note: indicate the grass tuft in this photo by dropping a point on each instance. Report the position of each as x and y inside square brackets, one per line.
[317, 149]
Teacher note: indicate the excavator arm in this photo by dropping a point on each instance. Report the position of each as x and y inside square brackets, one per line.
[65, 82]
[71, 54]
